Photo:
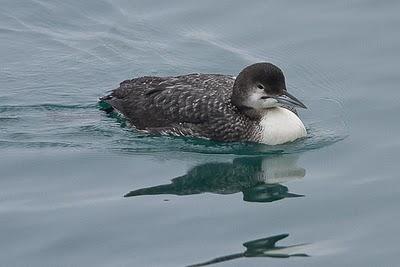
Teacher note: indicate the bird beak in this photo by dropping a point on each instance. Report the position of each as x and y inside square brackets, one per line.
[290, 100]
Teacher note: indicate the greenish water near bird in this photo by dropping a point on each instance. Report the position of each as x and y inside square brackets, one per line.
[80, 187]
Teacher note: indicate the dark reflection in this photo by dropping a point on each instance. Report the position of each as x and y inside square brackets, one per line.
[258, 178]
[264, 247]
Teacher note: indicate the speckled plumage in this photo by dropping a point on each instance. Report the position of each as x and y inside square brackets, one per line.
[250, 107]
[189, 105]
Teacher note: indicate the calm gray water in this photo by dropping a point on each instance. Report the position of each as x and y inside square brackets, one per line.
[65, 166]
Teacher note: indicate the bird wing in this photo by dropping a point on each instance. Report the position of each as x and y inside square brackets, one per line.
[155, 102]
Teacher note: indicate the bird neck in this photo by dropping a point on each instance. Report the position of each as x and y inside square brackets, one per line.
[252, 113]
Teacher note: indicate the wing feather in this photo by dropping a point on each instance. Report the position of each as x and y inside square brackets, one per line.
[154, 102]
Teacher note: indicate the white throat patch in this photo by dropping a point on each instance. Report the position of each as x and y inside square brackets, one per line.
[279, 126]
[256, 101]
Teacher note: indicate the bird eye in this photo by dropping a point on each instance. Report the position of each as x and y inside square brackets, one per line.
[260, 86]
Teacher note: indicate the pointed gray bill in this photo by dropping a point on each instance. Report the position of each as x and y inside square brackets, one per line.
[290, 100]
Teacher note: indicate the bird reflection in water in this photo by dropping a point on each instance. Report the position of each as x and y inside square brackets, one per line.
[264, 247]
[258, 178]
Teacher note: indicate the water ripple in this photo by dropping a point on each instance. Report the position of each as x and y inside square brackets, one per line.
[83, 125]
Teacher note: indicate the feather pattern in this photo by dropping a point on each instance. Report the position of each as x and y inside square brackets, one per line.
[187, 105]
[213, 106]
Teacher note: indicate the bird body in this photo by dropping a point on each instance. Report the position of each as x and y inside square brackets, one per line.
[212, 106]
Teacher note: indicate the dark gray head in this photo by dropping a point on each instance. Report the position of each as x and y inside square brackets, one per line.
[261, 86]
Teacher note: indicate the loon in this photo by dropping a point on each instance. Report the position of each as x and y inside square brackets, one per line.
[255, 106]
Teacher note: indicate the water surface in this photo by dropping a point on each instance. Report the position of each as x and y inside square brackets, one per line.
[65, 166]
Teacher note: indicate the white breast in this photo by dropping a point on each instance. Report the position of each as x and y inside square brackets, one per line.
[280, 125]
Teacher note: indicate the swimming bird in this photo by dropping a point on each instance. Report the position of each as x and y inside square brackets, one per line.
[255, 106]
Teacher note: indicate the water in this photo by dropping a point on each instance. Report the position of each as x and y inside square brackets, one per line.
[65, 166]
